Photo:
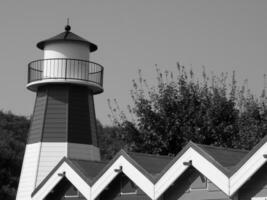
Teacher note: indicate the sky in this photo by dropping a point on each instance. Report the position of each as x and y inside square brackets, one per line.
[221, 35]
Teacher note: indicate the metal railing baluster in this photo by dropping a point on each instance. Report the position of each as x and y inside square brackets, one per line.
[63, 68]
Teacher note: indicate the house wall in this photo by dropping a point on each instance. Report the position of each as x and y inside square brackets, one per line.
[256, 186]
[194, 186]
[118, 188]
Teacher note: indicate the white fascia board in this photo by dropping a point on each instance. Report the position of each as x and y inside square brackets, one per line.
[200, 163]
[172, 174]
[129, 170]
[71, 175]
[138, 178]
[78, 182]
[248, 169]
[209, 170]
[49, 185]
[29, 170]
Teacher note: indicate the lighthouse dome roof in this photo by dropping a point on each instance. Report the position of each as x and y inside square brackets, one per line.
[67, 35]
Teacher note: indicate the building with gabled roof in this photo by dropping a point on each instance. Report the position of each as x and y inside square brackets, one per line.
[62, 158]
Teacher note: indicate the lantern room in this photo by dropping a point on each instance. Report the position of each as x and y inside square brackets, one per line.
[66, 59]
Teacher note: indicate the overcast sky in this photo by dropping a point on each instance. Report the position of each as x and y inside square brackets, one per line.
[222, 35]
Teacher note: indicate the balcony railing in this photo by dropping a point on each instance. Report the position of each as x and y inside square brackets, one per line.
[68, 69]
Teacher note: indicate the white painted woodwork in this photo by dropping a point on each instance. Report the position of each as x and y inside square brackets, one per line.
[52, 152]
[71, 175]
[210, 171]
[61, 68]
[28, 171]
[228, 185]
[198, 162]
[130, 171]
[67, 49]
[248, 169]
[175, 171]
[41, 158]
[35, 84]
[50, 155]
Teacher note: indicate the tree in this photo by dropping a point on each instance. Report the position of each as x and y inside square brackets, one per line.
[109, 141]
[13, 135]
[180, 108]
[252, 121]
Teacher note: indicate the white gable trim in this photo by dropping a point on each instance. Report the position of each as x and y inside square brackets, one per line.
[154, 190]
[210, 171]
[71, 175]
[200, 163]
[174, 172]
[248, 169]
[129, 170]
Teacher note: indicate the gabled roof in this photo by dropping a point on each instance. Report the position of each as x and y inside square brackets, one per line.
[250, 154]
[153, 164]
[90, 169]
[227, 157]
[154, 174]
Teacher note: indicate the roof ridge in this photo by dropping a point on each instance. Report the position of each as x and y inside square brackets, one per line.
[151, 155]
[94, 161]
[223, 148]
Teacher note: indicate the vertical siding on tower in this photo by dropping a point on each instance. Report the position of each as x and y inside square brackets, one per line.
[79, 119]
[64, 113]
[92, 119]
[35, 132]
[55, 127]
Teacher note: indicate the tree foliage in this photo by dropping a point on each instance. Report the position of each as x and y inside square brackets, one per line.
[180, 108]
[109, 141]
[13, 134]
[163, 118]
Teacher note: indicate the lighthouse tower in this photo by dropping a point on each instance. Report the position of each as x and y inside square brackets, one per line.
[63, 122]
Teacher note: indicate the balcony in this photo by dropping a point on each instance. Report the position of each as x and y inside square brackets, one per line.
[64, 70]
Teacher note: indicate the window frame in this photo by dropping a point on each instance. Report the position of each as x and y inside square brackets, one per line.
[131, 182]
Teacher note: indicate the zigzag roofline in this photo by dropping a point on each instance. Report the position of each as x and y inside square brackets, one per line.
[223, 178]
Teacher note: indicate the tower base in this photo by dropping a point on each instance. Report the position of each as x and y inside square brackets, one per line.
[40, 158]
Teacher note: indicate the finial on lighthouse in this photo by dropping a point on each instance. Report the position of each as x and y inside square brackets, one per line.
[67, 27]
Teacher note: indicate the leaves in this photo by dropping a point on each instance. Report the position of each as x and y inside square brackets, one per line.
[179, 109]
[13, 130]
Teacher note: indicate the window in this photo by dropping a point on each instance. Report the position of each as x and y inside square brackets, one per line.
[199, 182]
[127, 186]
[72, 192]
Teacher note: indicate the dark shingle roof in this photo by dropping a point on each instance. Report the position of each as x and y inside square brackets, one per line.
[153, 164]
[227, 157]
[250, 153]
[89, 168]
[66, 36]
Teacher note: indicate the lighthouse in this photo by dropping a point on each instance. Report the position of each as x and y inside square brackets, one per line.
[63, 122]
